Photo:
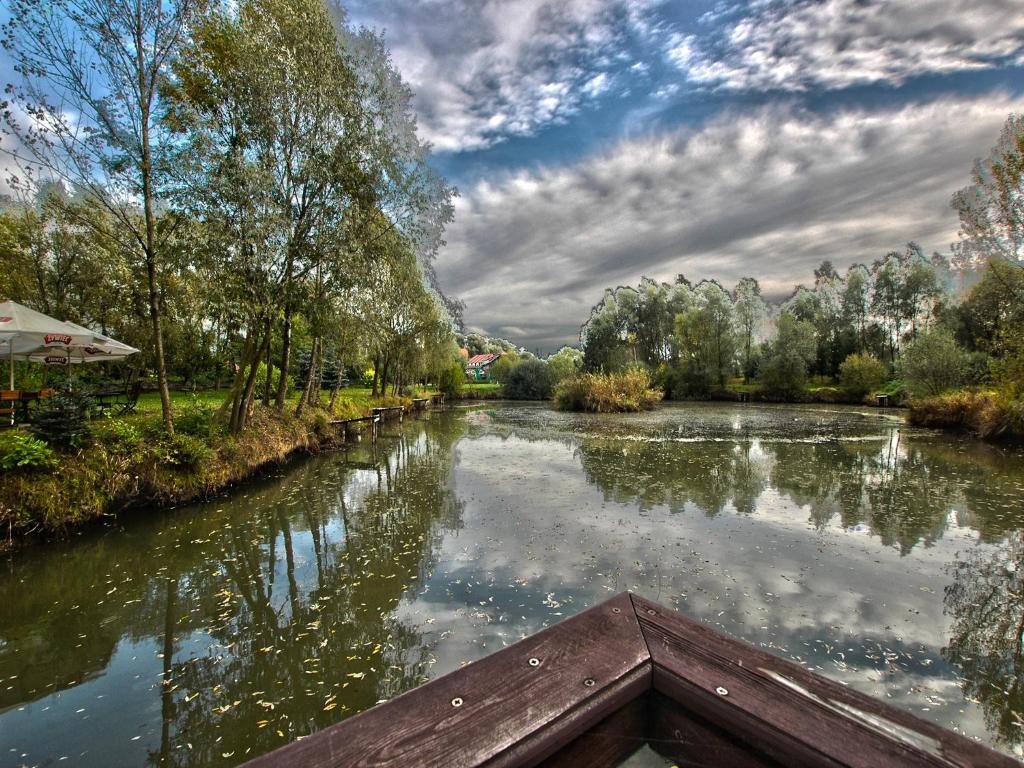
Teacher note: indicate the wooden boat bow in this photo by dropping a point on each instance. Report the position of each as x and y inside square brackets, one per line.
[593, 689]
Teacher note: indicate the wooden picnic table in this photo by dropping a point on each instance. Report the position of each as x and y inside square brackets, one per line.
[16, 404]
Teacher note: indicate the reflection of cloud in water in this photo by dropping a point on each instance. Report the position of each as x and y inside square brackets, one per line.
[797, 574]
[351, 577]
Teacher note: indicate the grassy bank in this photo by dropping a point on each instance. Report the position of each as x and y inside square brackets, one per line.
[130, 462]
[480, 391]
[986, 414]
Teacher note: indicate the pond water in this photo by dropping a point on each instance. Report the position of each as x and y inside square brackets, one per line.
[886, 557]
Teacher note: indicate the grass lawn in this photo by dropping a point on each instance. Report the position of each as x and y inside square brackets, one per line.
[482, 386]
[149, 402]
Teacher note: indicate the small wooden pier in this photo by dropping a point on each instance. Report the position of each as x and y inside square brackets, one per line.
[379, 413]
[595, 688]
[351, 426]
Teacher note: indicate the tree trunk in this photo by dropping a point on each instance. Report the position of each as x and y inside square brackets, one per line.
[286, 350]
[229, 409]
[268, 385]
[145, 103]
[153, 285]
[307, 390]
[337, 382]
[376, 375]
[245, 405]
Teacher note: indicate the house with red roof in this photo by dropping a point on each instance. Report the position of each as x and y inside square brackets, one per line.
[478, 366]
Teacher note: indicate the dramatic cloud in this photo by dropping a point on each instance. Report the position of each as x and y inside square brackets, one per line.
[484, 71]
[839, 43]
[769, 194]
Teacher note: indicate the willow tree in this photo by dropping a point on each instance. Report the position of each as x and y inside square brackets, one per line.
[87, 112]
[991, 207]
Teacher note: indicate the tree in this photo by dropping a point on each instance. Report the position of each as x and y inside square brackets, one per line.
[751, 312]
[991, 207]
[860, 374]
[530, 380]
[932, 363]
[856, 302]
[566, 362]
[88, 112]
[502, 367]
[784, 371]
[602, 337]
[706, 338]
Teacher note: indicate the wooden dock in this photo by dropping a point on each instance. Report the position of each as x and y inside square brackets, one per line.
[592, 690]
[350, 426]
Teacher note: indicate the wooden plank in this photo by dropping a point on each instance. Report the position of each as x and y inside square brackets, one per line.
[518, 705]
[787, 712]
[573, 724]
[609, 742]
[688, 740]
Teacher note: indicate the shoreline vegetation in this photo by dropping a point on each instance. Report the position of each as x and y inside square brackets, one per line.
[130, 462]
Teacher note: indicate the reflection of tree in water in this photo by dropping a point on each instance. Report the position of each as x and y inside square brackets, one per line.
[902, 493]
[986, 603]
[655, 472]
[301, 644]
[275, 615]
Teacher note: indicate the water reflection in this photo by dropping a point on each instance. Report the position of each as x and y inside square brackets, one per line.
[264, 619]
[986, 602]
[902, 493]
[885, 557]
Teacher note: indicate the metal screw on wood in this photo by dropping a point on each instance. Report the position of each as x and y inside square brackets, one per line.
[721, 691]
[534, 662]
[589, 682]
[616, 610]
[651, 612]
[457, 701]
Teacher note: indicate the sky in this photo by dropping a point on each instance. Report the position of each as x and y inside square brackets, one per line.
[594, 142]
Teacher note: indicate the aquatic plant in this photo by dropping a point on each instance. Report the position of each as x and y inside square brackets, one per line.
[607, 392]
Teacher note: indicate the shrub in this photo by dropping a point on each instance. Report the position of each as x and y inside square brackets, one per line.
[63, 419]
[451, 379]
[933, 363]
[183, 451]
[607, 392]
[502, 368]
[859, 375]
[987, 414]
[120, 435]
[529, 380]
[20, 451]
[197, 419]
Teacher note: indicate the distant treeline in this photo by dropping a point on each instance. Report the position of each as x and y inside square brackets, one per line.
[906, 316]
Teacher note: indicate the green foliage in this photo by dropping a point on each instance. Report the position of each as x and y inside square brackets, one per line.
[933, 363]
[198, 418]
[607, 392]
[784, 370]
[121, 435]
[23, 452]
[566, 362]
[529, 380]
[451, 379]
[705, 336]
[502, 367]
[63, 419]
[987, 414]
[183, 451]
[859, 375]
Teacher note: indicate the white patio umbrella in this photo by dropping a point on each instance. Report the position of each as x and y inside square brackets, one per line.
[24, 331]
[29, 335]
